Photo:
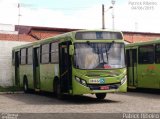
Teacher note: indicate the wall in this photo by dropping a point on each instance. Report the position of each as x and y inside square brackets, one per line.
[7, 29]
[6, 61]
[133, 37]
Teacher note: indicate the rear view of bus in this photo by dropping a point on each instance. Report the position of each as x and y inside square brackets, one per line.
[98, 63]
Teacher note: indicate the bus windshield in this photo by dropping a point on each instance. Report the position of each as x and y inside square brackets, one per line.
[99, 55]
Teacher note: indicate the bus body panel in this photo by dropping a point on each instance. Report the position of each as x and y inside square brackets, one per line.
[27, 70]
[148, 78]
[47, 77]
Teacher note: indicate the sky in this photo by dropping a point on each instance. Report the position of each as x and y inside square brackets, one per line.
[129, 15]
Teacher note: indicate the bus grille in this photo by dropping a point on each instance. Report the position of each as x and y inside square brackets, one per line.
[103, 87]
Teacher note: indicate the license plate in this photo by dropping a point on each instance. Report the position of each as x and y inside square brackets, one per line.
[98, 81]
[104, 87]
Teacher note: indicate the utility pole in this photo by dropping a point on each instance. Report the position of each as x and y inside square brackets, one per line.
[103, 21]
[18, 19]
[103, 15]
[113, 2]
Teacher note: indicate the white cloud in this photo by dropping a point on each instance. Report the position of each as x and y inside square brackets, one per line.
[87, 18]
[126, 18]
[8, 11]
[139, 20]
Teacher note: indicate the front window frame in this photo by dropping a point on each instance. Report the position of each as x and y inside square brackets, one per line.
[74, 63]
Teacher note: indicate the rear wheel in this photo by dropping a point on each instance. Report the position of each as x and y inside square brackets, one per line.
[57, 89]
[25, 85]
[100, 96]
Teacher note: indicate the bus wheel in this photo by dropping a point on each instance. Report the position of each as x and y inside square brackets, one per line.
[57, 89]
[100, 96]
[25, 85]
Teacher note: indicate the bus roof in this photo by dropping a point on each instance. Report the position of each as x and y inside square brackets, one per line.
[60, 36]
[143, 43]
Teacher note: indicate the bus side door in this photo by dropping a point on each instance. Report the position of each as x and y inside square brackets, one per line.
[17, 62]
[132, 67]
[65, 66]
[36, 67]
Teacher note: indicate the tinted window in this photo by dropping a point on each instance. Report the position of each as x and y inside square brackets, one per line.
[45, 53]
[157, 54]
[98, 35]
[54, 53]
[30, 59]
[23, 56]
[128, 58]
[146, 54]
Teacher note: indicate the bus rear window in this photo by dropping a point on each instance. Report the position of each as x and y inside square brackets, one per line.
[98, 35]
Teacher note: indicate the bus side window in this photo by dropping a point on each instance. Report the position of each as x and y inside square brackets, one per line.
[45, 54]
[29, 58]
[146, 54]
[128, 58]
[157, 53]
[54, 53]
[23, 56]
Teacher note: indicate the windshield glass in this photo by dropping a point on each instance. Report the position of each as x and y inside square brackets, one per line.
[99, 55]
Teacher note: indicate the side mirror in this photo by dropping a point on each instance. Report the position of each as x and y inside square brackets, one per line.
[71, 49]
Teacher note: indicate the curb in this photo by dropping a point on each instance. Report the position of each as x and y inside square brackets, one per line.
[16, 92]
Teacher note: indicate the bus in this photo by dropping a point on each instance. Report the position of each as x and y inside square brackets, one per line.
[75, 63]
[143, 64]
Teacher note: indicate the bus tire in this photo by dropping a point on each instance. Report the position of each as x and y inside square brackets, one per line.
[25, 85]
[57, 89]
[100, 96]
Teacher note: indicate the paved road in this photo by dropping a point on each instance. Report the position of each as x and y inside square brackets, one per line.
[131, 102]
[71, 107]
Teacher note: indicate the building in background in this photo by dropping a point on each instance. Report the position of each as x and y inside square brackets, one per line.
[44, 32]
[9, 38]
[133, 37]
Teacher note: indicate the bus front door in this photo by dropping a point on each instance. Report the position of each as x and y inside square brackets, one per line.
[65, 67]
[17, 78]
[36, 70]
[132, 67]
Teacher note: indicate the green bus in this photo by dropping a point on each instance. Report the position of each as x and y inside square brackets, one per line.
[143, 64]
[75, 63]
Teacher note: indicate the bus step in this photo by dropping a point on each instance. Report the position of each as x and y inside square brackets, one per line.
[131, 87]
[37, 90]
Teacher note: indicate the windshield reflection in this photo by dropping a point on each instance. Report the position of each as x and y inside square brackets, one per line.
[99, 55]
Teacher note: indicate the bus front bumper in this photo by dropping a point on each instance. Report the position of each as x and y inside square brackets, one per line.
[79, 89]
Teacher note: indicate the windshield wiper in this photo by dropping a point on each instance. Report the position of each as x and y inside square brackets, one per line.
[107, 51]
[110, 46]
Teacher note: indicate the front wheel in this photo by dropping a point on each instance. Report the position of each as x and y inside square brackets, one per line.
[100, 96]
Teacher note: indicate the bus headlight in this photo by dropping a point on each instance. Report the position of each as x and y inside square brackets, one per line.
[123, 80]
[81, 81]
[78, 79]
